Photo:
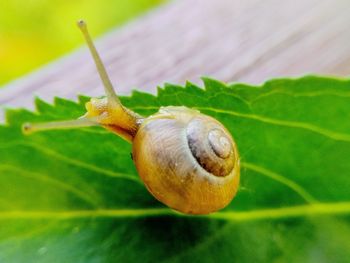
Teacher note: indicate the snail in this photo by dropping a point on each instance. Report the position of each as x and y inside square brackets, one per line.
[187, 160]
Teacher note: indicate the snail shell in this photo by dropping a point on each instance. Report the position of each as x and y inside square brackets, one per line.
[187, 160]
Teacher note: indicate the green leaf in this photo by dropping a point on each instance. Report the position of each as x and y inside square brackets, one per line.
[75, 196]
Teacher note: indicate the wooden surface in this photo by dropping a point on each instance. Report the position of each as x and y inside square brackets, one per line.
[231, 40]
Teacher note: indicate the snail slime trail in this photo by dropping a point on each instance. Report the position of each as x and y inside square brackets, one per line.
[187, 160]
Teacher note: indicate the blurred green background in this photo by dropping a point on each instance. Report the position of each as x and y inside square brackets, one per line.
[33, 32]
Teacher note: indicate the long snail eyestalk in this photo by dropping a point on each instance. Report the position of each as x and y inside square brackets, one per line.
[187, 160]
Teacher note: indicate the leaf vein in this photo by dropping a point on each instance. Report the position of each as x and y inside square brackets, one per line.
[42, 177]
[291, 124]
[73, 161]
[281, 179]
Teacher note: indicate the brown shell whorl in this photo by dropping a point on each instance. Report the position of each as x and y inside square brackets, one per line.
[211, 146]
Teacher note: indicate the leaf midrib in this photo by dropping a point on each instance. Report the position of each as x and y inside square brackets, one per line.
[318, 209]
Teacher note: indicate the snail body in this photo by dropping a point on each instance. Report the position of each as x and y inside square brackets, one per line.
[187, 160]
